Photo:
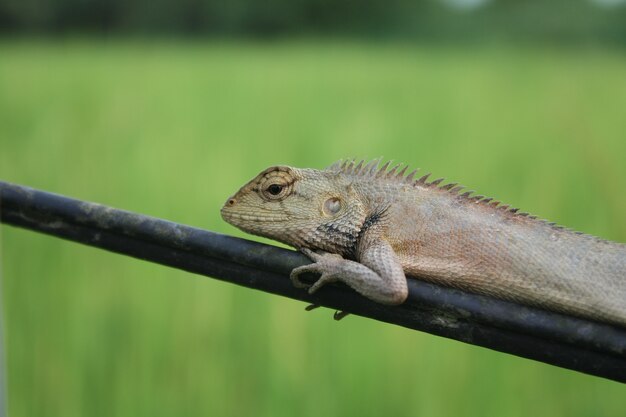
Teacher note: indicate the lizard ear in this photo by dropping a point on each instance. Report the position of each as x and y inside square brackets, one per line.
[332, 206]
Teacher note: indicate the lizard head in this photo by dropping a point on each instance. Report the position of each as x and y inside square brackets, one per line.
[300, 207]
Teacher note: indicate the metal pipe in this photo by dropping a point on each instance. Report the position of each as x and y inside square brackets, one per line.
[3, 394]
[569, 342]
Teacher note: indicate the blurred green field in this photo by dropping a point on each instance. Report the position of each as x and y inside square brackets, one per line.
[171, 129]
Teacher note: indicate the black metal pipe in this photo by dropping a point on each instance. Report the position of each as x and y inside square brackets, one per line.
[570, 342]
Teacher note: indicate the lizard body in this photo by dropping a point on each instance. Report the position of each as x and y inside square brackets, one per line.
[370, 226]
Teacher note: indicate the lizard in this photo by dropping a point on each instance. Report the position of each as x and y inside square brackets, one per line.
[369, 226]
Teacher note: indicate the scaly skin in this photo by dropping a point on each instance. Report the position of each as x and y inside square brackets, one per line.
[370, 226]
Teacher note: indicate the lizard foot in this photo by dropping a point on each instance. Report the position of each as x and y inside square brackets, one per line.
[326, 264]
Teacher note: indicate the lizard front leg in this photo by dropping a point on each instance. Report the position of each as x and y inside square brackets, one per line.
[378, 275]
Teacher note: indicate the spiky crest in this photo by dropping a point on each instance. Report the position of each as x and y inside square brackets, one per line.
[372, 170]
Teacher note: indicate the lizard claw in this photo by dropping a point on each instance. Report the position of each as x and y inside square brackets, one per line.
[340, 314]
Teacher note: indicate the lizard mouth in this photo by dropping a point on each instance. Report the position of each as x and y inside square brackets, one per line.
[232, 217]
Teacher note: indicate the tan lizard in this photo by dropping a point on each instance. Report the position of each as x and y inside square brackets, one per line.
[368, 226]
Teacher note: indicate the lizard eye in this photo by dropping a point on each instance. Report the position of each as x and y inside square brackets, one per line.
[275, 189]
[332, 206]
[275, 184]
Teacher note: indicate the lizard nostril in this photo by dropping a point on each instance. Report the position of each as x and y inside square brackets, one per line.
[231, 202]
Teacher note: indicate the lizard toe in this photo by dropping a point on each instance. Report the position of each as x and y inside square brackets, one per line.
[323, 280]
[311, 254]
[295, 275]
[340, 315]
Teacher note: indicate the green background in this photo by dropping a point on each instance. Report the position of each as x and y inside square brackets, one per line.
[171, 129]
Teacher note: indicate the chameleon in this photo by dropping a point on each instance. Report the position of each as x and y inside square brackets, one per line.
[370, 226]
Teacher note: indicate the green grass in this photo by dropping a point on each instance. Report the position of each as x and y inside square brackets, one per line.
[172, 129]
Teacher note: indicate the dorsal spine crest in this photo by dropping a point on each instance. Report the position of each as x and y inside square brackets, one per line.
[397, 174]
